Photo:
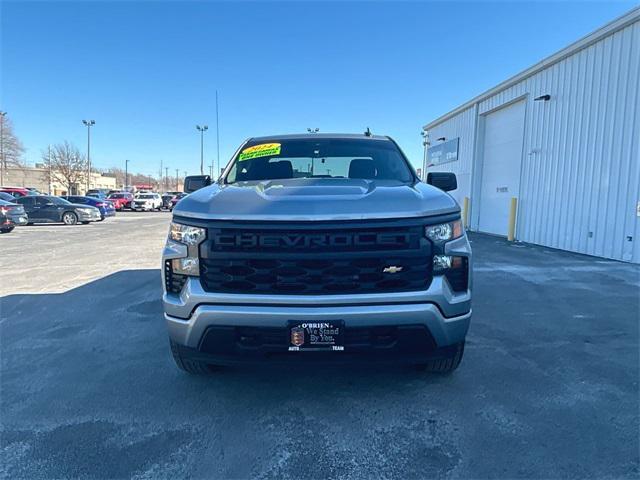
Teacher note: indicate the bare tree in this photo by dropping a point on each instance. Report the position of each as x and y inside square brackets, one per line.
[12, 147]
[66, 166]
[116, 172]
[134, 178]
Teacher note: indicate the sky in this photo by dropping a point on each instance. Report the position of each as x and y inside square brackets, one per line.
[147, 72]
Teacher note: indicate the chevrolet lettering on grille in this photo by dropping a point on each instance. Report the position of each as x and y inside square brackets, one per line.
[310, 241]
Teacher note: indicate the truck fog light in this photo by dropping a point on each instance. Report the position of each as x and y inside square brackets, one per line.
[442, 263]
[186, 266]
[447, 262]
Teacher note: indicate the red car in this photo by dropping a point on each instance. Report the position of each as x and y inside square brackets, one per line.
[121, 200]
[17, 191]
[176, 199]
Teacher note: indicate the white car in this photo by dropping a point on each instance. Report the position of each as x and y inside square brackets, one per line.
[147, 201]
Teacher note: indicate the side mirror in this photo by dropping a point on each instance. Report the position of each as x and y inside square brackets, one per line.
[443, 180]
[196, 182]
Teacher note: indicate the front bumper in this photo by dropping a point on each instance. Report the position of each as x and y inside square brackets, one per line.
[143, 206]
[94, 216]
[443, 313]
[444, 331]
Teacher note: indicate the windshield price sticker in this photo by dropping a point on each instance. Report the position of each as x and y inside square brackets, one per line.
[263, 150]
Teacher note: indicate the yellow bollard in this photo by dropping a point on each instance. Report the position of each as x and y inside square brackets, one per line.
[512, 219]
[465, 213]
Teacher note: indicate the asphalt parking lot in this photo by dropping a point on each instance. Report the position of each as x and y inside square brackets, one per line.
[548, 387]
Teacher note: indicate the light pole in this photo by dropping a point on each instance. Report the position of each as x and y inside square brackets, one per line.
[177, 179]
[202, 129]
[88, 124]
[2, 162]
[126, 174]
[166, 178]
[426, 144]
[49, 162]
[217, 135]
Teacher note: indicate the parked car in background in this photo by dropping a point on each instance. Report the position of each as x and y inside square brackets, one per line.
[50, 209]
[107, 208]
[147, 201]
[99, 195]
[11, 214]
[7, 197]
[176, 199]
[100, 192]
[167, 197]
[121, 200]
[17, 191]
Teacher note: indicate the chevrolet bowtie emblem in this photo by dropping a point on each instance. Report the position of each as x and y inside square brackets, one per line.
[392, 269]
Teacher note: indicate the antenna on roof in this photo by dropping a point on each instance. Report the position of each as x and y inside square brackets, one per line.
[367, 133]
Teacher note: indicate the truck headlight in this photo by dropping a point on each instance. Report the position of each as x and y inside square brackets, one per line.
[191, 237]
[186, 234]
[444, 232]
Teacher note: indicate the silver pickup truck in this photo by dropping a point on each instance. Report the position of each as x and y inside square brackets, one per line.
[320, 248]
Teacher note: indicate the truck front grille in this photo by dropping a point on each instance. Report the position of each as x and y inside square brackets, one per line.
[315, 276]
[296, 259]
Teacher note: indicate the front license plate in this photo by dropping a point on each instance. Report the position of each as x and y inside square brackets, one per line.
[316, 336]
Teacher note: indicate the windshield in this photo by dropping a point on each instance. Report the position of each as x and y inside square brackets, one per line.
[320, 158]
[116, 195]
[146, 196]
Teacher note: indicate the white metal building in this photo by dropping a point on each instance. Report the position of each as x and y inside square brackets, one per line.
[563, 137]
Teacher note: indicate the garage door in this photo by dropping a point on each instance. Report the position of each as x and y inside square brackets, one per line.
[501, 160]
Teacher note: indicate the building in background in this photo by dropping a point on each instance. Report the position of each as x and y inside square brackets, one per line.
[37, 177]
[563, 138]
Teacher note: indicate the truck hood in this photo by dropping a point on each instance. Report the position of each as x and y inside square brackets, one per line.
[315, 199]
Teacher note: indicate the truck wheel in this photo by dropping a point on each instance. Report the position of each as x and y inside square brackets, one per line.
[190, 366]
[444, 365]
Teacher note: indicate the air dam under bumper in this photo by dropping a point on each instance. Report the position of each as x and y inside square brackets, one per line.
[445, 331]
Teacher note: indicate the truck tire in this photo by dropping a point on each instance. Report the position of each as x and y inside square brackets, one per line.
[190, 366]
[444, 365]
